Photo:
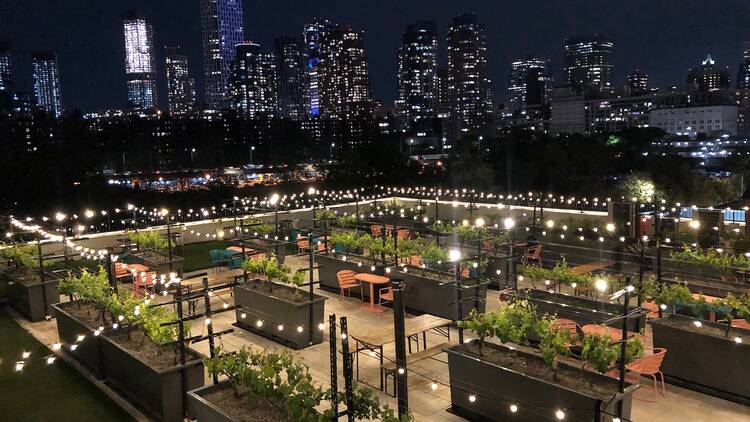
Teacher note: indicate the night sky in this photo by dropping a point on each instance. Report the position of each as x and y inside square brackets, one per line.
[662, 37]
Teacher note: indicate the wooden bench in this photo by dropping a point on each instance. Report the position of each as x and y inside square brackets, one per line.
[390, 370]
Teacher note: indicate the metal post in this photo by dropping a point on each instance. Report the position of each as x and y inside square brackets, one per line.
[623, 345]
[384, 236]
[640, 274]
[349, 393]
[111, 274]
[334, 367]
[276, 224]
[169, 242]
[181, 341]
[459, 301]
[399, 328]
[310, 316]
[395, 239]
[210, 326]
[41, 276]
[325, 232]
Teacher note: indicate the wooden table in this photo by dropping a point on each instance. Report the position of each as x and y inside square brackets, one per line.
[707, 299]
[372, 279]
[413, 327]
[590, 267]
[614, 333]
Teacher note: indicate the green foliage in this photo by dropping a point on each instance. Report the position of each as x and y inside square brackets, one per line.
[432, 255]
[347, 221]
[553, 341]
[264, 229]
[325, 214]
[89, 287]
[670, 294]
[726, 264]
[472, 233]
[561, 273]
[408, 247]
[601, 353]
[149, 239]
[639, 187]
[279, 381]
[442, 228]
[23, 256]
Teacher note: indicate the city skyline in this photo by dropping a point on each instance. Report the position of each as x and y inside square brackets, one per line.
[723, 39]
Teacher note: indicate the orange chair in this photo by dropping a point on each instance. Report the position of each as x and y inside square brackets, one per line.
[303, 244]
[567, 325]
[649, 366]
[533, 254]
[415, 261]
[403, 234]
[741, 323]
[347, 281]
[385, 294]
[652, 308]
[376, 230]
[141, 282]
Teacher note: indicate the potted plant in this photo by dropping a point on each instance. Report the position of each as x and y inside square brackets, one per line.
[508, 380]
[274, 306]
[31, 290]
[270, 386]
[153, 251]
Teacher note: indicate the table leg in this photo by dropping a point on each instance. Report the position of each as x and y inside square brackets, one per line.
[381, 368]
[424, 340]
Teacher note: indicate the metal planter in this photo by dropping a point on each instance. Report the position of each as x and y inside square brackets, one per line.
[713, 365]
[160, 393]
[88, 352]
[258, 304]
[34, 301]
[203, 410]
[495, 388]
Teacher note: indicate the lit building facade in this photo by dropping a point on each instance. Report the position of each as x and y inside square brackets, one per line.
[529, 84]
[416, 105]
[692, 121]
[588, 64]
[46, 78]
[291, 73]
[636, 83]
[6, 70]
[708, 77]
[180, 86]
[313, 50]
[743, 76]
[140, 62]
[222, 29]
[469, 85]
[253, 84]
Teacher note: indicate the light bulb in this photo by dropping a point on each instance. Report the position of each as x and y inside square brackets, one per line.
[472, 398]
[559, 414]
[513, 408]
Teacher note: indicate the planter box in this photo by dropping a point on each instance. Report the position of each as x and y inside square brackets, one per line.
[29, 299]
[162, 266]
[88, 351]
[260, 304]
[711, 364]
[423, 294]
[582, 310]
[204, 411]
[158, 392]
[537, 398]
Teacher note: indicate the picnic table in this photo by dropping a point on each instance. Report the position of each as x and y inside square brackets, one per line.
[376, 339]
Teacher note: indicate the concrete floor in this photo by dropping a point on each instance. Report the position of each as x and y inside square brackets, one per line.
[426, 405]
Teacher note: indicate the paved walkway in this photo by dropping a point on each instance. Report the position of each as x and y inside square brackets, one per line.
[427, 405]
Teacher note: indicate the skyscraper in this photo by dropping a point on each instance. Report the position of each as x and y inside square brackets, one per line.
[417, 77]
[468, 80]
[313, 34]
[180, 86]
[708, 77]
[636, 83]
[140, 62]
[6, 73]
[291, 72]
[588, 64]
[743, 77]
[253, 85]
[529, 84]
[222, 29]
[46, 83]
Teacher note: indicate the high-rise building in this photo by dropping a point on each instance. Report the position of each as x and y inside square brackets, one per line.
[222, 29]
[529, 84]
[6, 71]
[743, 77]
[588, 64]
[469, 84]
[180, 86]
[313, 50]
[253, 85]
[636, 83]
[140, 68]
[291, 72]
[708, 77]
[46, 83]
[417, 76]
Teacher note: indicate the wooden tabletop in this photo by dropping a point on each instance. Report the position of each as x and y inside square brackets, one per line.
[708, 299]
[413, 326]
[590, 267]
[372, 278]
[614, 333]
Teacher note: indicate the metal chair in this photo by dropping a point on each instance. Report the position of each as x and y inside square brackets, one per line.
[385, 294]
[649, 366]
[346, 282]
[376, 230]
[533, 254]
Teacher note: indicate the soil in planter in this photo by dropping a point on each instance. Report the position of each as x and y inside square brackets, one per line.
[154, 257]
[244, 409]
[536, 368]
[139, 345]
[27, 276]
[86, 312]
[282, 292]
[704, 329]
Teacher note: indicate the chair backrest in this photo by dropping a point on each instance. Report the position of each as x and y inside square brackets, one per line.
[415, 260]
[216, 254]
[566, 325]
[376, 230]
[466, 272]
[345, 277]
[403, 234]
[533, 252]
[649, 364]
[303, 242]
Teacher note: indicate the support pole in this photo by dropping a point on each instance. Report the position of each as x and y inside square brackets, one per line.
[623, 345]
[310, 316]
[181, 341]
[384, 235]
[399, 328]
[332, 336]
[169, 241]
[459, 301]
[348, 373]
[41, 276]
[640, 273]
[210, 326]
